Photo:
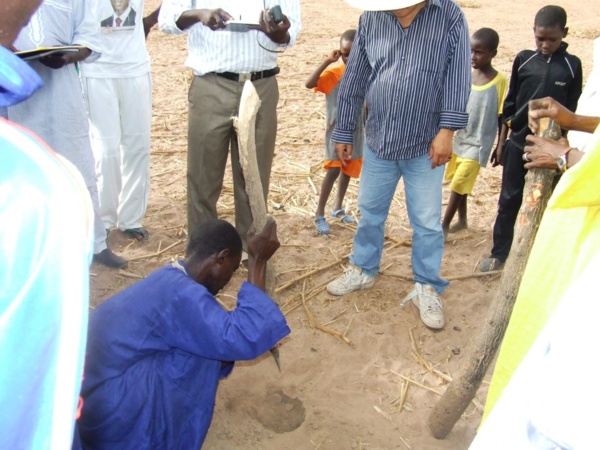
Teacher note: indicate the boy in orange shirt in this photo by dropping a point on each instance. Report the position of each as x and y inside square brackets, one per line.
[326, 80]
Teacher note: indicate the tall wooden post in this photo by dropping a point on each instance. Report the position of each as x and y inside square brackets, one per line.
[460, 392]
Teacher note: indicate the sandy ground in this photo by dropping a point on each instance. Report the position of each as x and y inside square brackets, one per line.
[332, 393]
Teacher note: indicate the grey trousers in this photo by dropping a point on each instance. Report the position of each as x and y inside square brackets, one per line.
[213, 101]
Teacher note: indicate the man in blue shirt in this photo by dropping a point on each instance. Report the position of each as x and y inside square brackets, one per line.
[411, 63]
[157, 350]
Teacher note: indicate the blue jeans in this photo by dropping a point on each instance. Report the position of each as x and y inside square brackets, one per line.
[423, 189]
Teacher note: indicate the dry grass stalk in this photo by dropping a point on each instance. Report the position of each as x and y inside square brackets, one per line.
[335, 318]
[157, 253]
[298, 299]
[418, 355]
[472, 275]
[312, 272]
[314, 324]
[449, 278]
[126, 273]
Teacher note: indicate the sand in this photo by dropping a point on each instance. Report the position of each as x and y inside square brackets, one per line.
[332, 393]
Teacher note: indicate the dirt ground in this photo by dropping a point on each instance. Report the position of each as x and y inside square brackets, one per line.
[332, 393]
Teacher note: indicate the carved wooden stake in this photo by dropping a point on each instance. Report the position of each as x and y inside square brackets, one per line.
[245, 126]
[460, 392]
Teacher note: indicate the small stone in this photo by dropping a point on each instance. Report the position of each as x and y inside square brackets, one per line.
[456, 328]
[456, 351]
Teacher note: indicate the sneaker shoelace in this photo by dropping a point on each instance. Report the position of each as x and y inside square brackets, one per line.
[431, 302]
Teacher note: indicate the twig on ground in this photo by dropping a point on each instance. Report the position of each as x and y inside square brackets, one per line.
[312, 272]
[152, 255]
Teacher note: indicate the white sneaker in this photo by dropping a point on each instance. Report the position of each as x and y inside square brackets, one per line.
[352, 280]
[425, 298]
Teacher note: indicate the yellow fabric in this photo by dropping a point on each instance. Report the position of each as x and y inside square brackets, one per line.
[568, 238]
[501, 86]
[463, 174]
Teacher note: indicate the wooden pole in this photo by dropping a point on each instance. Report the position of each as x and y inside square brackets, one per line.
[245, 126]
[460, 392]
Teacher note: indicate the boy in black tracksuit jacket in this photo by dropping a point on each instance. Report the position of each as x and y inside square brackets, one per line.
[547, 72]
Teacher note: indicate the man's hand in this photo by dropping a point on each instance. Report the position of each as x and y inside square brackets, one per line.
[214, 19]
[542, 152]
[263, 245]
[261, 248]
[59, 60]
[277, 32]
[548, 107]
[440, 151]
[344, 152]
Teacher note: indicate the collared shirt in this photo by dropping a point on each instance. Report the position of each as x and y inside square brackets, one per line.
[222, 50]
[415, 81]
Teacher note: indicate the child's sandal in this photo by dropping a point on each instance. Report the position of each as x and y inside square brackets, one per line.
[341, 214]
[321, 225]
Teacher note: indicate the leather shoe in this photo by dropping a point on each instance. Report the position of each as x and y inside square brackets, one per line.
[109, 259]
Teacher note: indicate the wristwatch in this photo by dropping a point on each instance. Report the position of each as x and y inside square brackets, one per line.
[562, 160]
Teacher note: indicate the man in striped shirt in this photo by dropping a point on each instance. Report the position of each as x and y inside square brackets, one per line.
[411, 63]
[222, 59]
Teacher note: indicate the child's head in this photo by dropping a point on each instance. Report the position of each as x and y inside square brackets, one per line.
[484, 46]
[550, 28]
[346, 42]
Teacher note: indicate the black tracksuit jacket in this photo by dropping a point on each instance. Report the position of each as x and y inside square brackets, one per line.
[534, 76]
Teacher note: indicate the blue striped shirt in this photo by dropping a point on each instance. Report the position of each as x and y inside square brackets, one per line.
[416, 81]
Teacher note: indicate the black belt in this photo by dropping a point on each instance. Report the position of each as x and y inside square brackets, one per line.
[251, 76]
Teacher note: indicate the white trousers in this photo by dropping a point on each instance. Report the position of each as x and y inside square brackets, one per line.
[120, 113]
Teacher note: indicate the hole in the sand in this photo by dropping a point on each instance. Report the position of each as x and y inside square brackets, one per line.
[279, 412]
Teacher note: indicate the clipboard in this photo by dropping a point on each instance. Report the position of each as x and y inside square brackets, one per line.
[36, 53]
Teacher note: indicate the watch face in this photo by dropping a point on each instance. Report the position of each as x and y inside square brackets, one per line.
[561, 162]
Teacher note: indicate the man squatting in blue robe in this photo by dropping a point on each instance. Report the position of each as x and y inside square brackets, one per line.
[157, 350]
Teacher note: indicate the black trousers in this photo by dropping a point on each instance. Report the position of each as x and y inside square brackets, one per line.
[511, 197]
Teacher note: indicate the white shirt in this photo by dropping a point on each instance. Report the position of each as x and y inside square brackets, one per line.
[222, 50]
[124, 52]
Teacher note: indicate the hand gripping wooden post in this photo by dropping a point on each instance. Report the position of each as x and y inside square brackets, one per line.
[460, 392]
[245, 126]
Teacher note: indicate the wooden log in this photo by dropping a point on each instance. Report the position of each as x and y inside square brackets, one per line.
[458, 395]
[245, 126]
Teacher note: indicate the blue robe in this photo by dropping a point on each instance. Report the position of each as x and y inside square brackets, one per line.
[154, 359]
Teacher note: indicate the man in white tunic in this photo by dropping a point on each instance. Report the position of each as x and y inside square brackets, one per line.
[118, 94]
[56, 112]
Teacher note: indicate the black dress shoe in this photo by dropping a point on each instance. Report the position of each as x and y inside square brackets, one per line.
[109, 259]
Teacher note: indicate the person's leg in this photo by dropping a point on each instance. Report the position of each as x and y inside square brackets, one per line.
[331, 175]
[509, 202]
[105, 135]
[423, 190]
[462, 214]
[379, 179]
[341, 192]
[135, 95]
[212, 104]
[265, 134]
[453, 206]
[378, 184]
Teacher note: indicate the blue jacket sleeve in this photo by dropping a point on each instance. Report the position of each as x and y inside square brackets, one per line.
[204, 328]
